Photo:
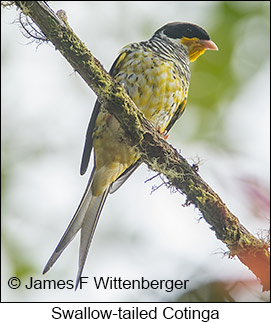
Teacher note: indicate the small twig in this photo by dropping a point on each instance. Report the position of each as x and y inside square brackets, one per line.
[30, 30]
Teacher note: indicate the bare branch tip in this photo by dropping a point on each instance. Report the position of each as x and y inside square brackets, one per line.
[62, 15]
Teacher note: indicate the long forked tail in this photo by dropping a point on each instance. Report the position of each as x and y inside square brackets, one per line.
[85, 218]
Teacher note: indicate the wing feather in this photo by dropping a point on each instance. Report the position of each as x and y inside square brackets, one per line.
[89, 139]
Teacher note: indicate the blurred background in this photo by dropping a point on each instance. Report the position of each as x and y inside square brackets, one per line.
[142, 232]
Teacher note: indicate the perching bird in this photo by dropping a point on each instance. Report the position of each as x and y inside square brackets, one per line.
[155, 74]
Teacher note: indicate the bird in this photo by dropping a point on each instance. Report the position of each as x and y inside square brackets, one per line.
[155, 74]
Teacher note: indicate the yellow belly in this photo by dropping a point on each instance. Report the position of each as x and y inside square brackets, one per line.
[112, 155]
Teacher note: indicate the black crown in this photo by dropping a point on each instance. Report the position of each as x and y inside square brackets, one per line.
[181, 29]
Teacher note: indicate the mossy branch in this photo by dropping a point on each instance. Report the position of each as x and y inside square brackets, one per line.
[154, 150]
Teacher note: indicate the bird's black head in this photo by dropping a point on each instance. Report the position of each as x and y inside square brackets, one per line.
[191, 39]
[177, 30]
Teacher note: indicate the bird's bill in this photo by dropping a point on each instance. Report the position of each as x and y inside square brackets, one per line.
[208, 44]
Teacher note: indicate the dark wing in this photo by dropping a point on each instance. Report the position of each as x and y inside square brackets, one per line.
[91, 125]
[124, 176]
[176, 115]
[89, 139]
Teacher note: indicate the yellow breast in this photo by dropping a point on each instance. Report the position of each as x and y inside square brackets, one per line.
[153, 84]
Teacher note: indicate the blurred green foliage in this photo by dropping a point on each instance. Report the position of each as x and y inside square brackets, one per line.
[21, 266]
[241, 31]
[211, 292]
[221, 292]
